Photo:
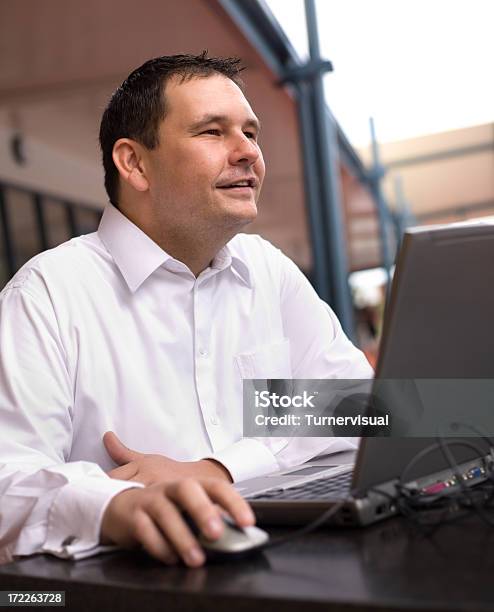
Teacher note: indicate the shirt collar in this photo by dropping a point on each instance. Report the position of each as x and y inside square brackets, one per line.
[137, 256]
[228, 257]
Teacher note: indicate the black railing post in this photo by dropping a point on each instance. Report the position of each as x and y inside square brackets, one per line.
[40, 221]
[326, 143]
[320, 263]
[71, 220]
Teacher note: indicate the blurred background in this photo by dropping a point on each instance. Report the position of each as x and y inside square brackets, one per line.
[377, 115]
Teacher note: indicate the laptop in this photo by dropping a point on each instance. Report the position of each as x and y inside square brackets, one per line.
[437, 324]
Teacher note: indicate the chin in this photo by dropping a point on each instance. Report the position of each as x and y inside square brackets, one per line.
[242, 215]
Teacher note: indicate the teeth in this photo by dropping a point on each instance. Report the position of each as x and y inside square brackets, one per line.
[239, 184]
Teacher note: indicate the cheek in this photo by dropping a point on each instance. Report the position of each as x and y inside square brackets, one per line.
[202, 164]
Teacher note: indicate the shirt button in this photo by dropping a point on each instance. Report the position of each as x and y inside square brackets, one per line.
[214, 420]
[203, 352]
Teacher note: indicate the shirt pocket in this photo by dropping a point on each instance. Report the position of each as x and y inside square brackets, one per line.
[267, 361]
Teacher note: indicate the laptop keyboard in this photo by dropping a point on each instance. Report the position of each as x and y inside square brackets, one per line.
[322, 488]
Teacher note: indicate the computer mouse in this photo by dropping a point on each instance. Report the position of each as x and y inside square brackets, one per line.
[235, 542]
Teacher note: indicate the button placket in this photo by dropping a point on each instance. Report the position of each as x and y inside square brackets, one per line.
[203, 362]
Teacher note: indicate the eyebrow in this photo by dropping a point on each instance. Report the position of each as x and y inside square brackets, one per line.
[206, 119]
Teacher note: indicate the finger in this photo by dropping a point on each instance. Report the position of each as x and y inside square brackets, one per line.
[124, 472]
[230, 500]
[118, 451]
[149, 535]
[189, 495]
[171, 522]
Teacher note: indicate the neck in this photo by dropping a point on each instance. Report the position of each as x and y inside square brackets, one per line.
[195, 248]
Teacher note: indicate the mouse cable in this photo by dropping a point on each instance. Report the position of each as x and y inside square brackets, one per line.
[313, 525]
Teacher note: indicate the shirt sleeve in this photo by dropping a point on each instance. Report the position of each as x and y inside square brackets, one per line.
[319, 346]
[49, 504]
[319, 349]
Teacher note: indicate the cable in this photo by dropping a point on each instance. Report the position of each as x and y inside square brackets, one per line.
[454, 466]
[313, 525]
[452, 505]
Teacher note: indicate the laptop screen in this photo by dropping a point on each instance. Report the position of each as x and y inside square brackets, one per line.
[438, 325]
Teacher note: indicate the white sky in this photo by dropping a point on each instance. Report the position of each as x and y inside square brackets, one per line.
[416, 66]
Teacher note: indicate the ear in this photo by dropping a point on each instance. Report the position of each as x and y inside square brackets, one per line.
[128, 158]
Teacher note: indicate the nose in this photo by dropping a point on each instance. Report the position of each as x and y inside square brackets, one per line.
[244, 150]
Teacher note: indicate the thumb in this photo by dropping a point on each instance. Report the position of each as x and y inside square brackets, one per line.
[118, 451]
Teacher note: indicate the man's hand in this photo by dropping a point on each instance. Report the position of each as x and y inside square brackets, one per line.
[151, 517]
[150, 469]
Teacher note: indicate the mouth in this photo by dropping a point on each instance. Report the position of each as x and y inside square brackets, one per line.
[246, 185]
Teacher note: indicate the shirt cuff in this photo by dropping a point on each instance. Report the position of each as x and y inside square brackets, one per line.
[246, 458]
[75, 516]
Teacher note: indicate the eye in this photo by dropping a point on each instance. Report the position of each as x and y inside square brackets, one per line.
[212, 131]
[251, 135]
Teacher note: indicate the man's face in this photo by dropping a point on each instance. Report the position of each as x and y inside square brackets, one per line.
[208, 169]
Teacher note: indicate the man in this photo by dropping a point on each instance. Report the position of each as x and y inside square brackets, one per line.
[145, 330]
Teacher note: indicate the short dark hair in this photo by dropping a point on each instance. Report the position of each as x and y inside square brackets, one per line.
[138, 106]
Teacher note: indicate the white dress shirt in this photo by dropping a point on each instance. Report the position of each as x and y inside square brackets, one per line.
[109, 332]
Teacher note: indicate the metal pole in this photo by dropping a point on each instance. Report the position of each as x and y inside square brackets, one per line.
[325, 135]
[320, 278]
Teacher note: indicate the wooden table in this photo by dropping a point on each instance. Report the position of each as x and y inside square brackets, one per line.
[389, 566]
